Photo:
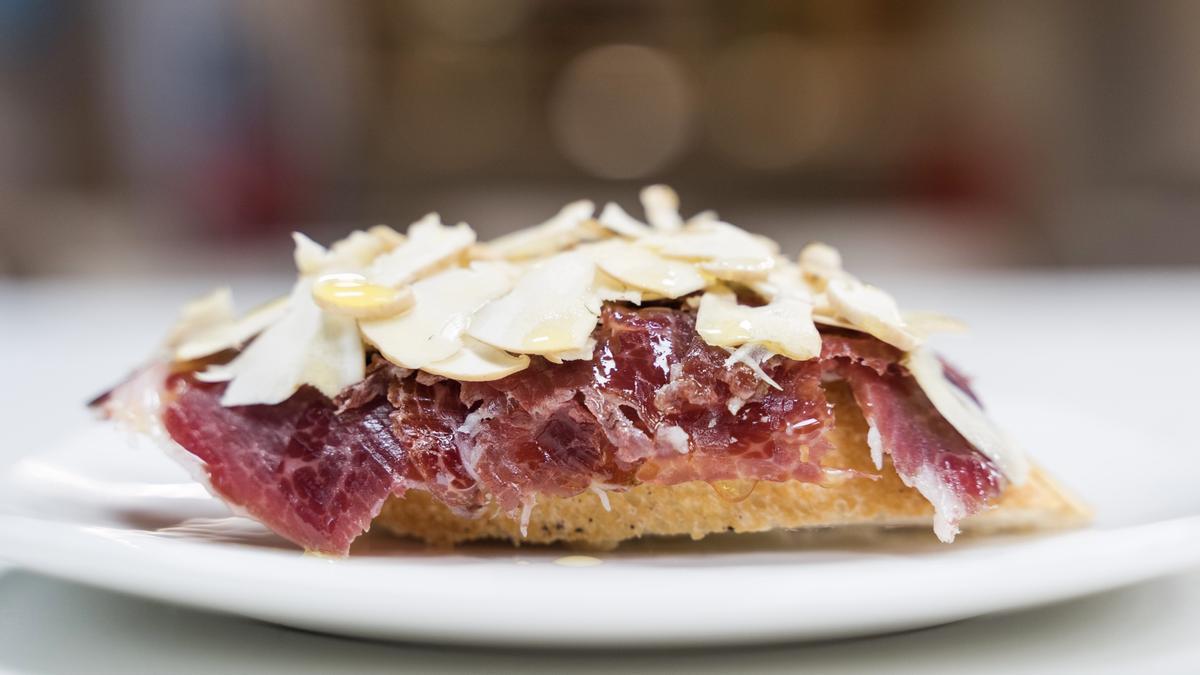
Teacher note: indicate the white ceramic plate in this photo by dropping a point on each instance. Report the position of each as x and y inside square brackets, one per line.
[117, 515]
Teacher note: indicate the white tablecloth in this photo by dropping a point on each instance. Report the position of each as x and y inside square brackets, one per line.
[62, 342]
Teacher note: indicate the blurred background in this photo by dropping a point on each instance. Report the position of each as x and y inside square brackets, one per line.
[146, 137]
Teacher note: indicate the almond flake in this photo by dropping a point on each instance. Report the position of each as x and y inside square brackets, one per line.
[443, 306]
[783, 326]
[568, 227]
[429, 246]
[552, 308]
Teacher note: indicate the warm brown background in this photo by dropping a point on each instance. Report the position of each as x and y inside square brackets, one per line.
[140, 136]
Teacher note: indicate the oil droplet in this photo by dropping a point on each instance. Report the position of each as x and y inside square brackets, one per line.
[352, 295]
[551, 335]
[733, 491]
[578, 561]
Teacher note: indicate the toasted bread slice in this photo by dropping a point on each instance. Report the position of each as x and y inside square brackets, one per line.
[697, 508]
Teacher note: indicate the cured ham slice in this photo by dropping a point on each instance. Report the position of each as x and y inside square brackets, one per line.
[668, 399]
[530, 434]
[425, 420]
[928, 454]
[312, 473]
[654, 404]
[840, 347]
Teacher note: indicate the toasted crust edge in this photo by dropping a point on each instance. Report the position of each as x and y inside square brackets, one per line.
[697, 509]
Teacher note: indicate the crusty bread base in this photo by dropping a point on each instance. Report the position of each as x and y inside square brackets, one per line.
[698, 508]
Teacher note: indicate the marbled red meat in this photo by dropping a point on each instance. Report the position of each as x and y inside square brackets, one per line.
[667, 399]
[840, 347]
[654, 404]
[529, 434]
[927, 452]
[310, 473]
[426, 420]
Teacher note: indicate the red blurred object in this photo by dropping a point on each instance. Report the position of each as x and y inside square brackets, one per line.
[251, 187]
[964, 166]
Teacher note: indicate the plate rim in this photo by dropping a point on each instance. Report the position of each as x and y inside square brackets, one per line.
[771, 602]
[1132, 554]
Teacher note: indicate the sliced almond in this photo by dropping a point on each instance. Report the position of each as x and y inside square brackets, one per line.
[744, 270]
[662, 208]
[607, 288]
[783, 326]
[219, 337]
[584, 353]
[783, 279]
[536, 291]
[644, 269]
[826, 319]
[818, 264]
[616, 219]
[925, 324]
[202, 314]
[568, 227]
[870, 310]
[721, 247]
[552, 308]
[443, 306]
[351, 253]
[305, 346]
[385, 234]
[965, 415]
[478, 362]
[823, 308]
[429, 246]
[308, 255]
[702, 218]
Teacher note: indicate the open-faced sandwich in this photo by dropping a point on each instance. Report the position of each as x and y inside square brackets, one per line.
[588, 380]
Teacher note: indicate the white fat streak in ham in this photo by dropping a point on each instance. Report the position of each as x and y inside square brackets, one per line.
[673, 437]
[948, 509]
[601, 492]
[839, 475]
[734, 404]
[875, 443]
[526, 512]
[469, 451]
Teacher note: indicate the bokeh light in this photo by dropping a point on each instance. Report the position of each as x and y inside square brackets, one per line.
[622, 111]
[1064, 131]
